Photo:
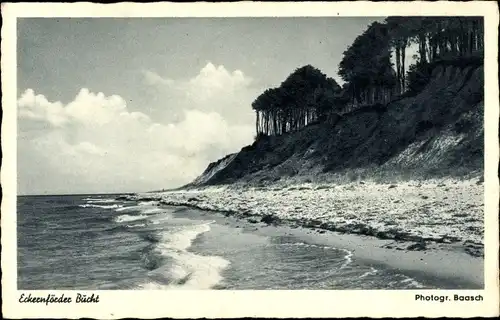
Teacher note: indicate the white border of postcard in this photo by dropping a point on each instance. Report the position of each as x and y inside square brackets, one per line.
[224, 304]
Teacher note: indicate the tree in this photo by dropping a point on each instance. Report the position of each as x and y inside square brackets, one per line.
[367, 67]
[303, 96]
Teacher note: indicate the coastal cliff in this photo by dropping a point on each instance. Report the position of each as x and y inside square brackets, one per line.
[434, 133]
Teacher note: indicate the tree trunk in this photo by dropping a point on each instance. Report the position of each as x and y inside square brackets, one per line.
[398, 69]
[257, 122]
[430, 51]
[403, 71]
[275, 123]
[471, 38]
[421, 40]
[267, 123]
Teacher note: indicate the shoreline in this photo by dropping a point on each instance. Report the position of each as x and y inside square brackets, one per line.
[463, 270]
[420, 243]
[460, 268]
[397, 248]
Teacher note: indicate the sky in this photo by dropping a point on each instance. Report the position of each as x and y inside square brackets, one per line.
[138, 104]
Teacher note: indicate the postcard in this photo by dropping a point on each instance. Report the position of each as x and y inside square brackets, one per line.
[226, 160]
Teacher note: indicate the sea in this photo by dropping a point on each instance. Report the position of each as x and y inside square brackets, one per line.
[96, 242]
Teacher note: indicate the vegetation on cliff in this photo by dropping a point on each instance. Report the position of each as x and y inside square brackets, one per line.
[307, 95]
[424, 120]
[304, 97]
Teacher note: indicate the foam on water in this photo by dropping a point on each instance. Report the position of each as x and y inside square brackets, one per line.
[136, 225]
[148, 207]
[369, 273]
[187, 270]
[303, 244]
[126, 218]
[183, 239]
[414, 283]
[126, 208]
[159, 218]
[152, 210]
[90, 205]
[347, 257]
[148, 203]
[91, 200]
[196, 271]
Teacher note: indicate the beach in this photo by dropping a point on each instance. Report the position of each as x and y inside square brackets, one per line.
[431, 228]
[170, 241]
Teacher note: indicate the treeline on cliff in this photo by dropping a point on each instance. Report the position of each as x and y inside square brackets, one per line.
[371, 77]
[306, 95]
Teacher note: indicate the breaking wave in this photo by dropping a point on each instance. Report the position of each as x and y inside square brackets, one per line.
[187, 270]
[90, 205]
[126, 218]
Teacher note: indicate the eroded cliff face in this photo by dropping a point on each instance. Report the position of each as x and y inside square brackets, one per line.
[438, 132]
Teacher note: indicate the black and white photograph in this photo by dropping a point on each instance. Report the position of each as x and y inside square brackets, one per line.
[268, 153]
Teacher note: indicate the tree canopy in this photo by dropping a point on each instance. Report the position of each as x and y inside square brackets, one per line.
[304, 96]
[367, 67]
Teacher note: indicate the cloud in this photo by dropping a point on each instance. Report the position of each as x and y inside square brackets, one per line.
[37, 107]
[95, 143]
[153, 78]
[214, 80]
[213, 89]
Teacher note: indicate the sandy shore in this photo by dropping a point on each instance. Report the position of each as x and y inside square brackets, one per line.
[438, 261]
[454, 267]
[432, 227]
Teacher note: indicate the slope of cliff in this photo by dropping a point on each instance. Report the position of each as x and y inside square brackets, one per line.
[437, 132]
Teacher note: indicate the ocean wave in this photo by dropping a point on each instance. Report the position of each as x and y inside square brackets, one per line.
[148, 203]
[139, 225]
[150, 237]
[126, 208]
[126, 218]
[152, 210]
[347, 257]
[303, 244]
[117, 228]
[412, 282]
[403, 281]
[183, 239]
[191, 271]
[91, 200]
[186, 270]
[112, 206]
[369, 273]
[160, 218]
[152, 260]
[143, 207]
